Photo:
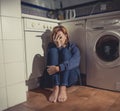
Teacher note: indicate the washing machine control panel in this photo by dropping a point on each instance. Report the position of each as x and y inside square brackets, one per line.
[38, 25]
[103, 24]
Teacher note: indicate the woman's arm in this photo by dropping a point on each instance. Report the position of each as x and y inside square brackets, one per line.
[74, 61]
[67, 65]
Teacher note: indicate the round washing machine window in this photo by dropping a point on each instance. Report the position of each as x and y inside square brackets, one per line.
[107, 48]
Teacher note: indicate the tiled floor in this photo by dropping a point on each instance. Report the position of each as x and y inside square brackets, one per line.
[80, 98]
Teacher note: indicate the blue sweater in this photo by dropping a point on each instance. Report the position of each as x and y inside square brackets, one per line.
[71, 64]
[75, 59]
[74, 62]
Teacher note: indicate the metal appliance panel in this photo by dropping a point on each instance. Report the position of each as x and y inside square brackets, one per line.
[100, 73]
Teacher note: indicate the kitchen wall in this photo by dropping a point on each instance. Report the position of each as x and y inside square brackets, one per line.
[68, 3]
[43, 3]
[37, 7]
[90, 7]
[97, 7]
[46, 8]
[12, 59]
[50, 8]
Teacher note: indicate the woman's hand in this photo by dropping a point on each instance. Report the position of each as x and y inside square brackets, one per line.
[60, 39]
[52, 69]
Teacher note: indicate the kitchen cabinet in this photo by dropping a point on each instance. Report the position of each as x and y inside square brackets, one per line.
[37, 36]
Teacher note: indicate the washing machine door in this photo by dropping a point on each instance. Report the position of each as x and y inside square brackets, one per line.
[107, 49]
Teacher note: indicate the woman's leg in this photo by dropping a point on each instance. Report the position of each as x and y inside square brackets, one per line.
[65, 54]
[70, 77]
[53, 59]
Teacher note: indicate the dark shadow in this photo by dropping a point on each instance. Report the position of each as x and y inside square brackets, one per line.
[78, 37]
[45, 41]
[38, 65]
[46, 91]
[39, 62]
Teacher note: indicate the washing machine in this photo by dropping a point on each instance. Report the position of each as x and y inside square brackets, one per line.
[37, 36]
[103, 52]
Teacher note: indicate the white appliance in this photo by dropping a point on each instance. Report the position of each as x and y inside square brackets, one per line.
[76, 31]
[103, 52]
[37, 36]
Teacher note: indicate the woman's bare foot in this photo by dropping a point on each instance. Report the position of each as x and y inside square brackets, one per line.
[53, 97]
[62, 94]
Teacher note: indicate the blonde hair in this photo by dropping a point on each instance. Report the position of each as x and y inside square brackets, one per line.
[60, 28]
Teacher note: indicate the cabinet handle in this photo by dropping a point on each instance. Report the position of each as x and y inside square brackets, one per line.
[78, 24]
[98, 28]
[38, 36]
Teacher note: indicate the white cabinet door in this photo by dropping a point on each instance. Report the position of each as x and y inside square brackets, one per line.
[33, 47]
[11, 8]
[11, 28]
[3, 98]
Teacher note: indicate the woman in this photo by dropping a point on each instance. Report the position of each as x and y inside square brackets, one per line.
[63, 60]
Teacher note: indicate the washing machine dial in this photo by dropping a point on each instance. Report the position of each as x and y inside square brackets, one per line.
[33, 25]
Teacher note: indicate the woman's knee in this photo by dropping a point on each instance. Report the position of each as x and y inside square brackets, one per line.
[52, 56]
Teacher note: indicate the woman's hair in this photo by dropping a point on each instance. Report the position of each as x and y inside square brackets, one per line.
[57, 29]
